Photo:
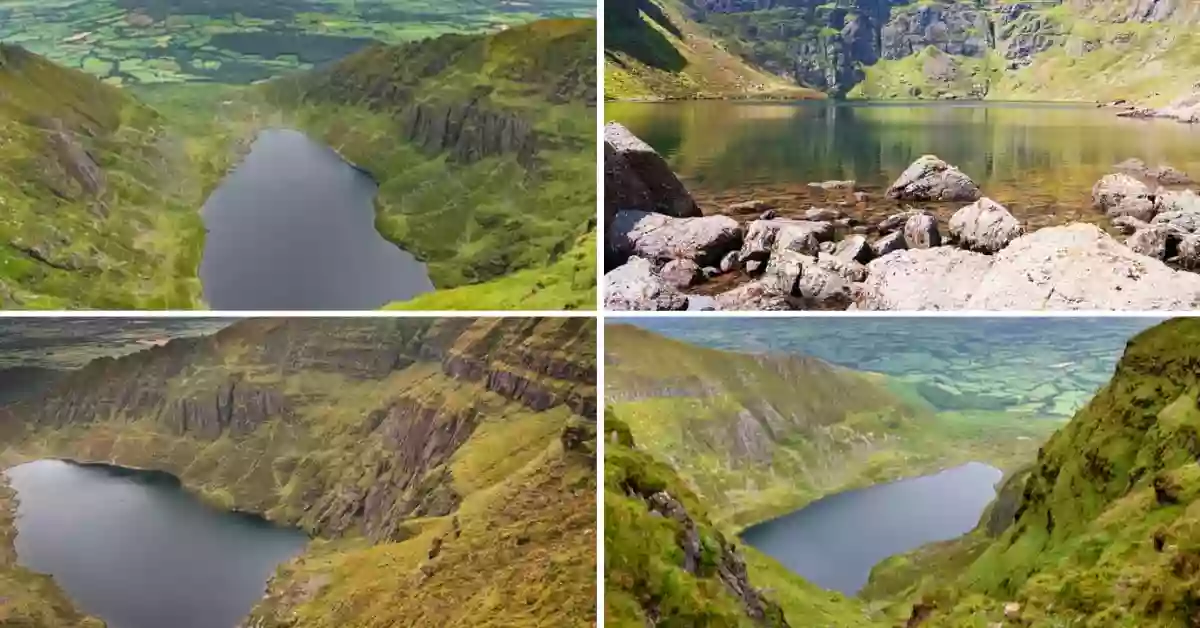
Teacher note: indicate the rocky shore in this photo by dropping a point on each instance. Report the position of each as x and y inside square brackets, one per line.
[662, 253]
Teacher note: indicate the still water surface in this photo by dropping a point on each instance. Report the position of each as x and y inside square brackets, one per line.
[293, 228]
[833, 542]
[135, 550]
[1040, 160]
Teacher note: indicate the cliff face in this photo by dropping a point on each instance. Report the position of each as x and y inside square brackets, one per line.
[960, 48]
[415, 390]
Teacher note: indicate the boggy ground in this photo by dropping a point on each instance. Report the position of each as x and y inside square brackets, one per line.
[931, 240]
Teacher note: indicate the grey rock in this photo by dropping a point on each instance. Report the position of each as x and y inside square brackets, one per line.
[896, 222]
[984, 226]
[822, 214]
[861, 197]
[921, 232]
[634, 286]
[666, 193]
[751, 206]
[1128, 224]
[931, 179]
[1151, 240]
[681, 273]
[854, 248]
[1167, 175]
[827, 247]
[1182, 201]
[1075, 267]
[1188, 222]
[1142, 209]
[769, 214]
[891, 242]
[753, 296]
[662, 238]
[764, 236]
[1188, 252]
[850, 270]
[802, 276]
[1114, 189]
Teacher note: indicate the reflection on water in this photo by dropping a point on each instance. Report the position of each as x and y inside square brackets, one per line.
[1040, 160]
[833, 542]
[137, 551]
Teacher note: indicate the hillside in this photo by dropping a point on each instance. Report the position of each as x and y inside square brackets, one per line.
[654, 49]
[450, 459]
[1102, 530]
[491, 183]
[99, 196]
[496, 170]
[756, 436]
[1090, 50]
[667, 564]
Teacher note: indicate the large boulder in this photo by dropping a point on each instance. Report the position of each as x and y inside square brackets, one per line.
[634, 286]
[1122, 195]
[895, 222]
[921, 232]
[1188, 252]
[984, 226]
[1154, 240]
[665, 192]
[753, 296]
[662, 238]
[931, 179]
[1076, 267]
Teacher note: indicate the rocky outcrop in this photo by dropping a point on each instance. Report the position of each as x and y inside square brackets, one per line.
[953, 28]
[635, 286]
[931, 179]
[1077, 267]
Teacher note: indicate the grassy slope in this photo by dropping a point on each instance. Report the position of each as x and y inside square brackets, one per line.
[753, 446]
[646, 573]
[132, 241]
[653, 50]
[485, 220]
[1106, 531]
[527, 510]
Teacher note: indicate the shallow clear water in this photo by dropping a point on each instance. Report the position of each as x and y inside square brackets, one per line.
[293, 228]
[137, 551]
[1040, 160]
[833, 542]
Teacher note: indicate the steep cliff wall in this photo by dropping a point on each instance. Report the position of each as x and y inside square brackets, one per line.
[1078, 49]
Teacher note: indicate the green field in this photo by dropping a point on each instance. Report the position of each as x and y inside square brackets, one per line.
[232, 41]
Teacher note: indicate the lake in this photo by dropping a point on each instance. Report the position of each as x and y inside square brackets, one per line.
[137, 551]
[293, 228]
[835, 541]
[1039, 160]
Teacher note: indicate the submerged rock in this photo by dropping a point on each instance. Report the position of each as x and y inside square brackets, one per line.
[984, 226]
[634, 286]
[1058, 268]
[931, 179]
[662, 238]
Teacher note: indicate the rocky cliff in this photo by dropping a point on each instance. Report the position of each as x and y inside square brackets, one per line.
[1078, 49]
[391, 430]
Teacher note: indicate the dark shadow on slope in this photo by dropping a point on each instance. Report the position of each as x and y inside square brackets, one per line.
[626, 32]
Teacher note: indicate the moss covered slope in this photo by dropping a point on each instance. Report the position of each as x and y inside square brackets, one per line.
[423, 454]
[668, 564]
[483, 146]
[99, 198]
[1104, 532]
